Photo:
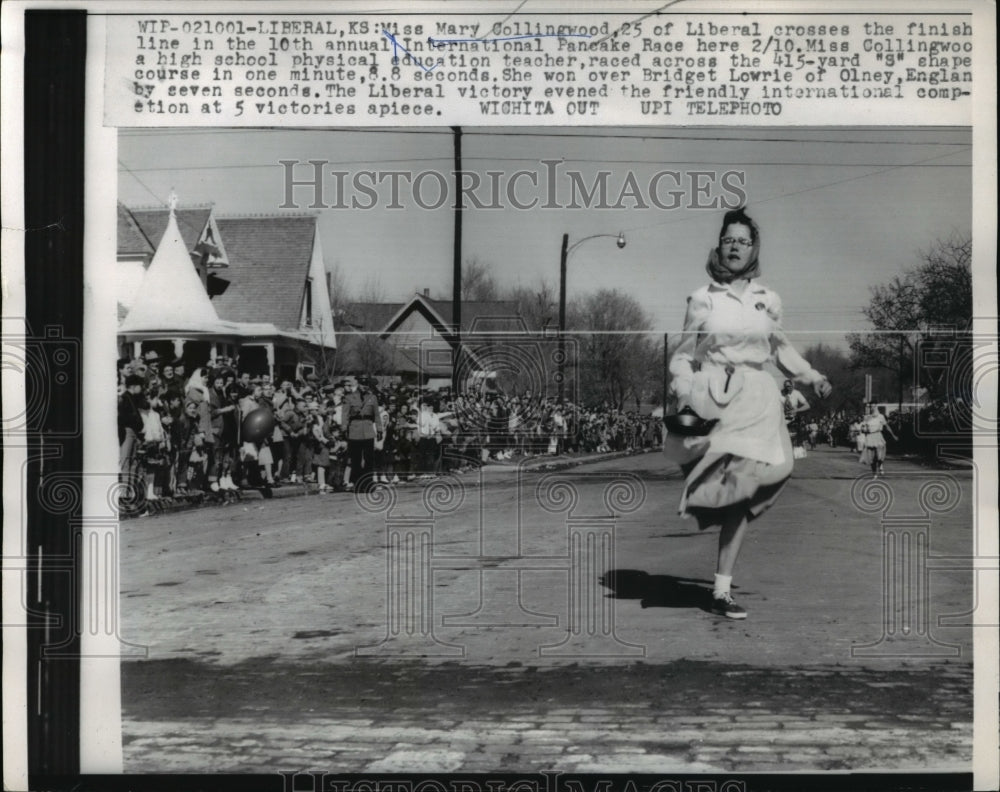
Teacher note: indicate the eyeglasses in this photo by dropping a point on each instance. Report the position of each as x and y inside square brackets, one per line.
[736, 241]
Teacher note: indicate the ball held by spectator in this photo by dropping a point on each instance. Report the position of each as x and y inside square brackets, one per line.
[258, 425]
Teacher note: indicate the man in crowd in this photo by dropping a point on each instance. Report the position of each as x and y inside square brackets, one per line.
[220, 406]
[311, 387]
[283, 395]
[361, 422]
[170, 383]
[290, 424]
[428, 438]
[180, 374]
[152, 361]
[186, 437]
[277, 439]
[130, 423]
[301, 432]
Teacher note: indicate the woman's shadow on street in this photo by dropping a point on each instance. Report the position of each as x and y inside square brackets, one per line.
[658, 591]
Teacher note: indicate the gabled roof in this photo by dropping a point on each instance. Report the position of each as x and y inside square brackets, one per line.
[367, 317]
[131, 239]
[191, 222]
[497, 315]
[171, 295]
[268, 265]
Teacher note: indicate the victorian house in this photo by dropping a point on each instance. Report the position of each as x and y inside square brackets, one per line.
[200, 287]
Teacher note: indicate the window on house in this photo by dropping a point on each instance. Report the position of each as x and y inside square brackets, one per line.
[309, 302]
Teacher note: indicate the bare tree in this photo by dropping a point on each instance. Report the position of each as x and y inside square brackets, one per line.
[372, 290]
[325, 358]
[361, 350]
[848, 382]
[929, 305]
[340, 296]
[478, 281]
[539, 305]
[611, 330]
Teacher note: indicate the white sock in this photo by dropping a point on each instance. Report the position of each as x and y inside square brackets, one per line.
[722, 583]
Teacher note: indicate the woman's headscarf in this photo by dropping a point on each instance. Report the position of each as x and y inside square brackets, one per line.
[715, 266]
[196, 385]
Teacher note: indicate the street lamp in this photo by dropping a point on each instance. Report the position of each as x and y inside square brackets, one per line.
[563, 258]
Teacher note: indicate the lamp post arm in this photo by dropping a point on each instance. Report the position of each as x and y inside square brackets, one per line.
[579, 242]
[564, 254]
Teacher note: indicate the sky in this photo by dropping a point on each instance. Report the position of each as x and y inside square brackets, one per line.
[840, 210]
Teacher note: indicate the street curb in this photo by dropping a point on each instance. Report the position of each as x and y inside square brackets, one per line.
[532, 465]
[557, 463]
[169, 506]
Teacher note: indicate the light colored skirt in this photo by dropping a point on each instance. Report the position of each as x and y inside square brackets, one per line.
[744, 461]
[265, 457]
[874, 449]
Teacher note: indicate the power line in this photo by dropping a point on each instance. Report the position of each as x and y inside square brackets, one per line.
[806, 190]
[279, 165]
[742, 162]
[712, 163]
[180, 219]
[853, 178]
[143, 184]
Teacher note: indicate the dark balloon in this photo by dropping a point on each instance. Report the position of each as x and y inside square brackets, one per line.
[258, 425]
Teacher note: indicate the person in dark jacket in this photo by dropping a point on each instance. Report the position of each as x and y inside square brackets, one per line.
[187, 436]
[361, 422]
[223, 412]
[130, 422]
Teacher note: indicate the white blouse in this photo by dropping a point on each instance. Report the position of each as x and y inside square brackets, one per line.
[874, 424]
[726, 328]
[428, 423]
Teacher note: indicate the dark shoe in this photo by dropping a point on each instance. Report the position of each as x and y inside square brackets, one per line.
[724, 606]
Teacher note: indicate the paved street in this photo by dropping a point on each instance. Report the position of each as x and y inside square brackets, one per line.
[554, 621]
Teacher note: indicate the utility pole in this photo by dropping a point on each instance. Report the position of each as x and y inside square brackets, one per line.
[901, 340]
[666, 372]
[562, 317]
[456, 290]
[564, 252]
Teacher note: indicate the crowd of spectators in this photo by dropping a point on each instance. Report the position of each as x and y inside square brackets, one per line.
[182, 431]
[832, 429]
[915, 432]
